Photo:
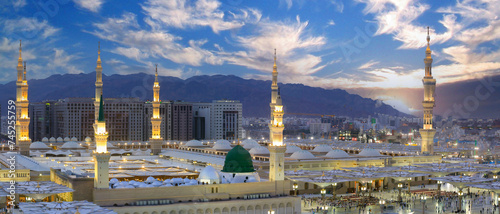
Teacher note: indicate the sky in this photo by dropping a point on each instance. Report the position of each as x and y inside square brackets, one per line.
[363, 46]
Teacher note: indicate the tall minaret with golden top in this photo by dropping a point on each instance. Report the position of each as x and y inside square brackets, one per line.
[156, 140]
[23, 140]
[428, 132]
[98, 82]
[101, 154]
[274, 95]
[277, 147]
[98, 89]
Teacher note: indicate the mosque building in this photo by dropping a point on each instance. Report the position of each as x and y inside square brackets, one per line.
[204, 177]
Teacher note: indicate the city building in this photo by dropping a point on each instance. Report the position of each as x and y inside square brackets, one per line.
[181, 118]
[225, 120]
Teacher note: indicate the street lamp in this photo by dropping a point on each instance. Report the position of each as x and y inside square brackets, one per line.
[295, 186]
[400, 185]
[495, 177]
[382, 203]
[460, 194]
[363, 189]
[271, 211]
[409, 184]
[423, 198]
[323, 192]
[334, 191]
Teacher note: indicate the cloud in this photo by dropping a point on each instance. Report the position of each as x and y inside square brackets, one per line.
[91, 5]
[28, 28]
[63, 61]
[397, 17]
[19, 4]
[201, 13]
[331, 23]
[368, 65]
[140, 44]
[294, 44]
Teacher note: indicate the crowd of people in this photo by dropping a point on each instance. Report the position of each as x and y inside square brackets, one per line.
[481, 202]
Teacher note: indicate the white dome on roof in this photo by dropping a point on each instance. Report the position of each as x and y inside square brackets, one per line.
[222, 145]
[71, 145]
[52, 140]
[292, 149]
[60, 139]
[110, 145]
[209, 175]
[88, 139]
[74, 139]
[150, 180]
[302, 154]
[259, 150]
[193, 143]
[113, 181]
[66, 139]
[45, 139]
[249, 141]
[337, 153]
[322, 148]
[368, 152]
[39, 145]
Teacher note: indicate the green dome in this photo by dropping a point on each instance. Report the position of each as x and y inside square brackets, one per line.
[238, 160]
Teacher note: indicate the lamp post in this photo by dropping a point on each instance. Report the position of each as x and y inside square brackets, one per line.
[409, 184]
[460, 194]
[295, 186]
[323, 192]
[382, 204]
[334, 191]
[423, 198]
[400, 185]
[363, 189]
[271, 211]
[439, 188]
[495, 178]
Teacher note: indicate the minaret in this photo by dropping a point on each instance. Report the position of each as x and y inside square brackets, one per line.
[428, 132]
[101, 154]
[156, 140]
[277, 147]
[98, 89]
[98, 82]
[23, 140]
[274, 95]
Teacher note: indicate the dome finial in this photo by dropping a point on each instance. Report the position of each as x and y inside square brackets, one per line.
[275, 57]
[428, 37]
[156, 72]
[24, 77]
[20, 60]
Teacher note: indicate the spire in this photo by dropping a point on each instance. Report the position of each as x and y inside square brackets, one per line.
[24, 77]
[274, 66]
[101, 111]
[20, 60]
[156, 73]
[99, 51]
[428, 41]
[428, 37]
[428, 57]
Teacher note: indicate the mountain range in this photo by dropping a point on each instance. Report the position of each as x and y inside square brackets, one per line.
[254, 94]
